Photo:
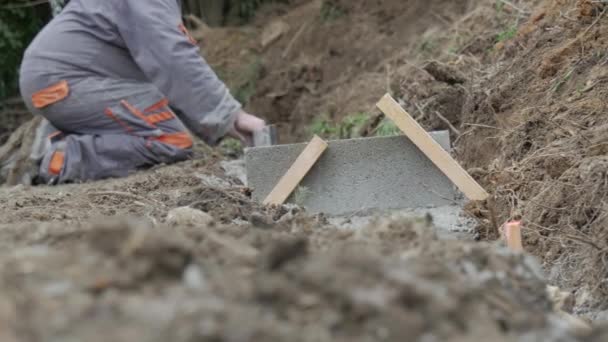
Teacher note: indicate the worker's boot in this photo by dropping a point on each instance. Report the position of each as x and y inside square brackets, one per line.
[23, 153]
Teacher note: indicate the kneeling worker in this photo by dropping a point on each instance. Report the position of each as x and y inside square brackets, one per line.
[119, 81]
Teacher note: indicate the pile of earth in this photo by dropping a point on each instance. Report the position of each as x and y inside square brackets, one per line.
[236, 271]
[328, 59]
[529, 124]
[542, 117]
[520, 84]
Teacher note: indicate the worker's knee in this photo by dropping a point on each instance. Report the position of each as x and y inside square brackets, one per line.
[181, 140]
[174, 147]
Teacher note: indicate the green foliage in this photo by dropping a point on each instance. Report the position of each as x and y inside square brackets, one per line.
[349, 127]
[499, 5]
[428, 45]
[231, 147]
[457, 43]
[387, 128]
[560, 81]
[323, 128]
[331, 11]
[508, 33]
[17, 28]
[245, 9]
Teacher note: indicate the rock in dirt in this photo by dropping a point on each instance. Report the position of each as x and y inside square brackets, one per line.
[186, 216]
[444, 73]
[194, 278]
[236, 169]
[261, 221]
[562, 300]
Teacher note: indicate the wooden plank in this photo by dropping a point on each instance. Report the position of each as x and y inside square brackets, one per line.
[305, 161]
[440, 157]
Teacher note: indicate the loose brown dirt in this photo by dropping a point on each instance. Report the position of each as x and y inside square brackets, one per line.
[550, 133]
[521, 85]
[333, 58]
[72, 269]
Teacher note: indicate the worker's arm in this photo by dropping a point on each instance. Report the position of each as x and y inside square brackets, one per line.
[153, 34]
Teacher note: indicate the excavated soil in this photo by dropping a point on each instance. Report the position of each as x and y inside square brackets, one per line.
[329, 59]
[520, 84]
[113, 261]
[542, 115]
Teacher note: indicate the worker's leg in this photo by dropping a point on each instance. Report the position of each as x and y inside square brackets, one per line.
[108, 128]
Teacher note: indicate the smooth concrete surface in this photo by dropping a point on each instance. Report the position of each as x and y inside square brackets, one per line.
[356, 175]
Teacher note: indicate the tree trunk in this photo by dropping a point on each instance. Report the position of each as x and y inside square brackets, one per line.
[213, 11]
[210, 11]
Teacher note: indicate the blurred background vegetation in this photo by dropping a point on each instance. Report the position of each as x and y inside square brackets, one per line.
[18, 25]
[20, 20]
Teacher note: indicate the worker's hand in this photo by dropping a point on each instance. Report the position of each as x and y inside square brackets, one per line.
[244, 126]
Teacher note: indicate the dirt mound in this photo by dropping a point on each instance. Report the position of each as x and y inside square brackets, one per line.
[527, 109]
[243, 272]
[520, 84]
[325, 58]
[155, 283]
[540, 115]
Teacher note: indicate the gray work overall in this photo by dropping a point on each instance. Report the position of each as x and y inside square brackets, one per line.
[121, 81]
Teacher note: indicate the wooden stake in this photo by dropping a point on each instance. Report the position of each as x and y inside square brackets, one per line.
[440, 157]
[513, 236]
[297, 171]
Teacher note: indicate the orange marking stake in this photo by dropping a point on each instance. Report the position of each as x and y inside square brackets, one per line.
[513, 236]
[297, 171]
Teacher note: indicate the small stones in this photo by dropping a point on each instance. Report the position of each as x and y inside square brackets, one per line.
[194, 278]
[186, 216]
